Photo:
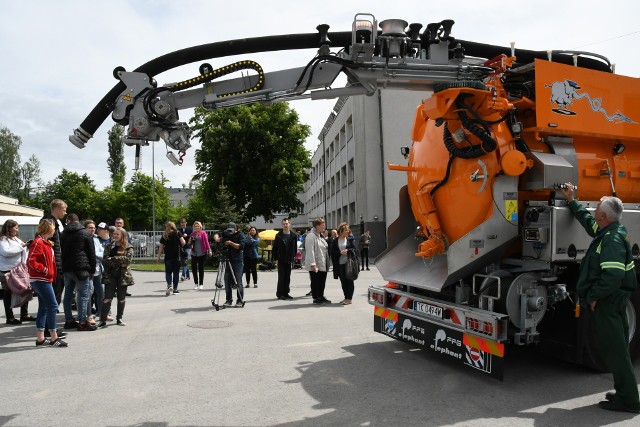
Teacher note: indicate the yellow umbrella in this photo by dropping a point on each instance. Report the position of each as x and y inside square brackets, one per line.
[268, 234]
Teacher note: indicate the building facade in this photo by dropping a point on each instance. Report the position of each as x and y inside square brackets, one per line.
[180, 196]
[349, 179]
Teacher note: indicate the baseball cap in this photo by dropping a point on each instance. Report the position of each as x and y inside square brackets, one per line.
[102, 225]
[231, 226]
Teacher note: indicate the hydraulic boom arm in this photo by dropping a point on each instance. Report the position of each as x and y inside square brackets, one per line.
[392, 58]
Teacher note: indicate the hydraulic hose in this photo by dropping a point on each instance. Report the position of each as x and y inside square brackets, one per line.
[290, 42]
[487, 145]
[207, 51]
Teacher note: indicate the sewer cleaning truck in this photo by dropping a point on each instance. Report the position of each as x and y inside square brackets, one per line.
[485, 251]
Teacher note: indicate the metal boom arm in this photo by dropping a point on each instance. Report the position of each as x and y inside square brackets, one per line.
[391, 59]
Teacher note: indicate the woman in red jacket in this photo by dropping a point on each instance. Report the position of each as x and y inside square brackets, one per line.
[42, 272]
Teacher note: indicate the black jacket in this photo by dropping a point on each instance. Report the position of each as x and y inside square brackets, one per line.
[236, 255]
[183, 231]
[78, 252]
[281, 252]
[57, 251]
[334, 253]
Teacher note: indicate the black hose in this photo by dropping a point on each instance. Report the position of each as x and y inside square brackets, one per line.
[487, 145]
[482, 50]
[207, 51]
[446, 176]
[291, 42]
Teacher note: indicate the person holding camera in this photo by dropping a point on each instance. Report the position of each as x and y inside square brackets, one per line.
[233, 244]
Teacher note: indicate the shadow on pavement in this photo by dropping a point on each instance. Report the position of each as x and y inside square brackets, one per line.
[385, 384]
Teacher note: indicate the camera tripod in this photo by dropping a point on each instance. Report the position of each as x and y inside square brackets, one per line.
[219, 284]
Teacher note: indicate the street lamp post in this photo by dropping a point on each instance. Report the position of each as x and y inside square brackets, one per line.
[153, 196]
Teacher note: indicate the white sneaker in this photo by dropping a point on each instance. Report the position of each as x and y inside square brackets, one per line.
[169, 291]
[201, 287]
[195, 287]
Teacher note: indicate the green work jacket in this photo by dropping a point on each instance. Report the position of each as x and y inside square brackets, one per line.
[607, 271]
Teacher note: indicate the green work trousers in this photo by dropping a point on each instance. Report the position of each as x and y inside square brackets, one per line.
[612, 333]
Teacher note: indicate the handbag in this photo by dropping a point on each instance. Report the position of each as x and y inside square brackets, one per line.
[352, 267]
[18, 280]
[20, 285]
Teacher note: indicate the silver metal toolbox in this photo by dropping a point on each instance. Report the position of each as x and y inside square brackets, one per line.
[551, 233]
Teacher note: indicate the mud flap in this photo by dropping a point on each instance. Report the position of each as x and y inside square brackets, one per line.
[472, 351]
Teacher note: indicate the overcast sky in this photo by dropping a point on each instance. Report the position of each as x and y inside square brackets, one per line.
[58, 56]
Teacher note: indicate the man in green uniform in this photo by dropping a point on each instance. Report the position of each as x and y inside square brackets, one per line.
[606, 281]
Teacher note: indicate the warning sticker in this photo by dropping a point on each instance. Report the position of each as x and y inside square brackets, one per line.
[511, 210]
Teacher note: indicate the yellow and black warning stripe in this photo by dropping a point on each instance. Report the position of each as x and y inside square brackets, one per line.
[223, 71]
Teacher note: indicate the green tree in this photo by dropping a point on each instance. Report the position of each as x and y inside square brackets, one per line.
[224, 210]
[107, 205]
[136, 202]
[78, 192]
[9, 162]
[29, 178]
[176, 213]
[199, 207]
[115, 162]
[258, 152]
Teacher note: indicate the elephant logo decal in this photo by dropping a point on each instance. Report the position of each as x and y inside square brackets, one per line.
[565, 92]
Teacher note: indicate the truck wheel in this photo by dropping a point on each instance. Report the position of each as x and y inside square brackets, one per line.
[633, 316]
[592, 357]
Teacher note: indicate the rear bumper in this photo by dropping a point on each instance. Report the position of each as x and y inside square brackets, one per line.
[472, 337]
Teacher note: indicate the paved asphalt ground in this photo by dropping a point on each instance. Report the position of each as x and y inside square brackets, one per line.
[178, 362]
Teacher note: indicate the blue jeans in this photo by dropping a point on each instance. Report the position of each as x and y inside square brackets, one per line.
[82, 289]
[47, 305]
[236, 267]
[185, 268]
[172, 272]
[98, 288]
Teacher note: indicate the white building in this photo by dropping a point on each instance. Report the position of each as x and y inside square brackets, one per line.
[349, 179]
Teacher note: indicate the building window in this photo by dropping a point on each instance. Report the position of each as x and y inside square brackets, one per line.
[352, 213]
[333, 186]
[338, 181]
[343, 138]
[344, 176]
[352, 171]
[349, 130]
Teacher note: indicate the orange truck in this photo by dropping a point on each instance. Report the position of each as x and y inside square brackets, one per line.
[485, 251]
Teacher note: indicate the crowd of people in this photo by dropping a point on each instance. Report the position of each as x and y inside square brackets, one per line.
[81, 264]
[84, 265]
[323, 251]
[317, 250]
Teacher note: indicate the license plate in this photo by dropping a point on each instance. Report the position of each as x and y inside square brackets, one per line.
[429, 309]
